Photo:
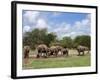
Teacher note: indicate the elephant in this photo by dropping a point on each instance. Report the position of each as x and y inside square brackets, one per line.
[54, 50]
[65, 51]
[26, 51]
[82, 49]
[42, 50]
[59, 48]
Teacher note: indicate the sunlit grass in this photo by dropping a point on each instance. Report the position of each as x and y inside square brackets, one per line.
[59, 62]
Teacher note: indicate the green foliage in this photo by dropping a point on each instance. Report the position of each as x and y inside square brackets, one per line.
[37, 36]
[83, 40]
[67, 42]
[50, 37]
[41, 36]
[73, 61]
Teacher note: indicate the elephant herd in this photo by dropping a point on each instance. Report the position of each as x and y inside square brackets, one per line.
[44, 51]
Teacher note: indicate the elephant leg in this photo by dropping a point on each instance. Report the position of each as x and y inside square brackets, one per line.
[48, 54]
[55, 54]
[45, 56]
[78, 53]
[38, 55]
[64, 53]
[88, 52]
[67, 53]
[61, 53]
[83, 53]
[26, 55]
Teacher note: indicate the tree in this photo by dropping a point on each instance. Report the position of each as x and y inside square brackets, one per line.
[83, 40]
[67, 42]
[38, 36]
[34, 37]
[50, 37]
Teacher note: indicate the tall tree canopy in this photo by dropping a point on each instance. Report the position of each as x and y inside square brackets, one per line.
[38, 36]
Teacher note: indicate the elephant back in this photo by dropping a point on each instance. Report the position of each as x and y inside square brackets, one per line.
[42, 46]
[59, 48]
[53, 47]
[82, 47]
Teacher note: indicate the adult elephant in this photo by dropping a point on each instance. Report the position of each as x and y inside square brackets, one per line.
[59, 48]
[42, 50]
[65, 51]
[26, 51]
[54, 50]
[82, 49]
[62, 50]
